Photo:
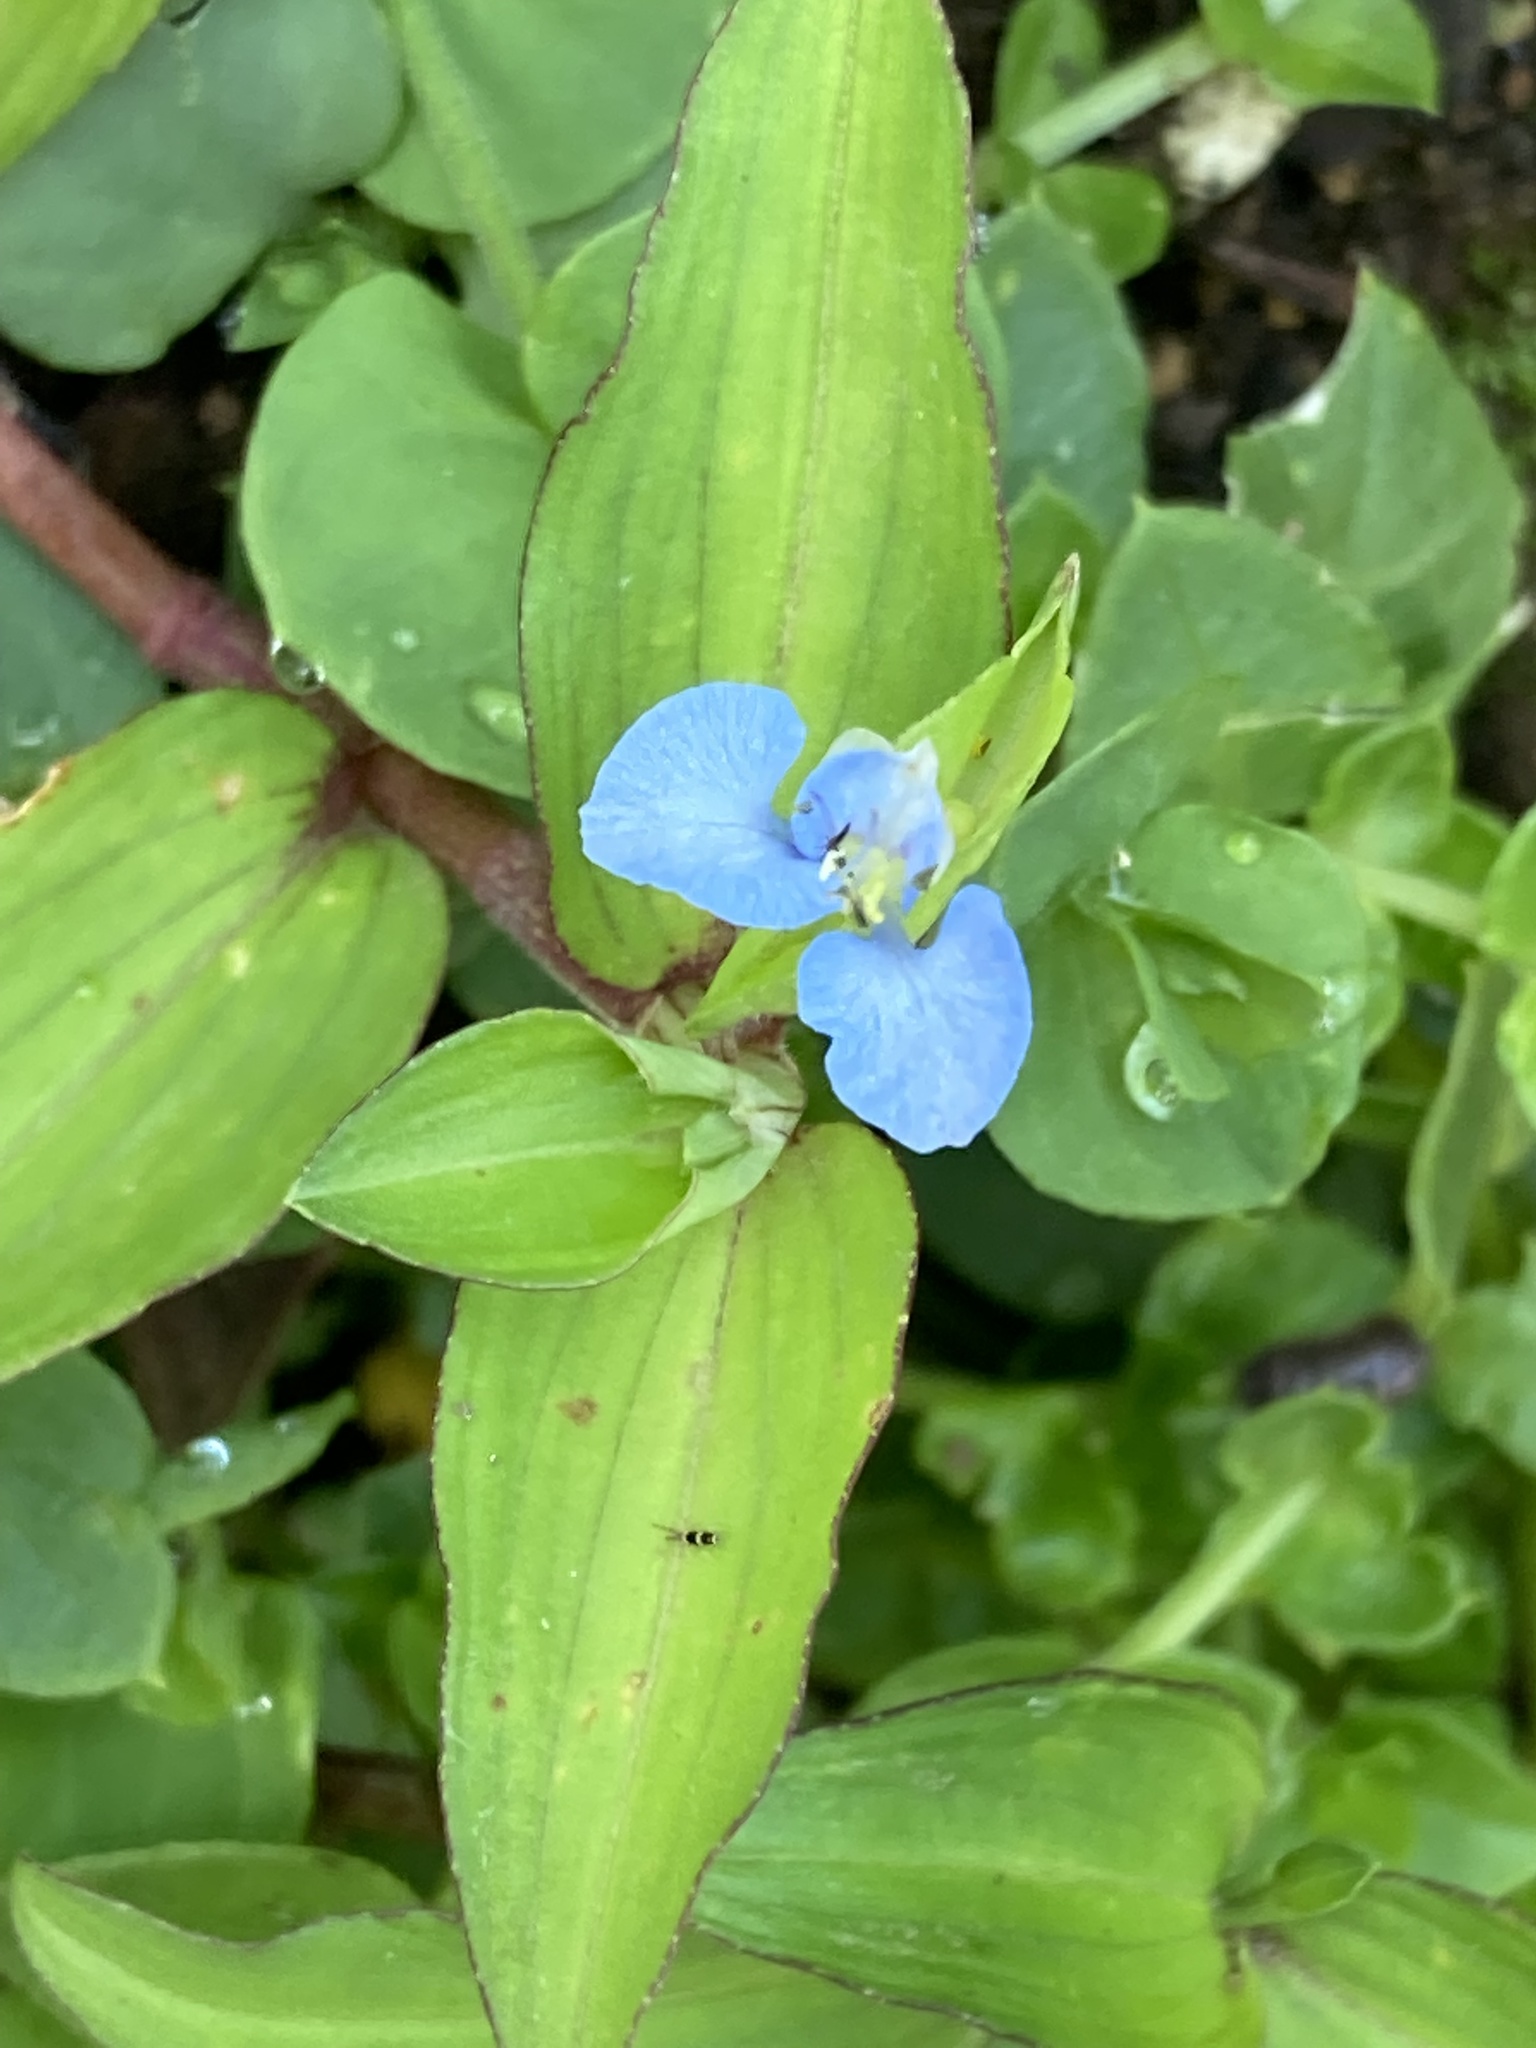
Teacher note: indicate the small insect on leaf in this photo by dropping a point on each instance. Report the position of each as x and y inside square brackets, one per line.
[696, 1539]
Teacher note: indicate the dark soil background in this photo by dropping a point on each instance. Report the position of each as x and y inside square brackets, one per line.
[1244, 310]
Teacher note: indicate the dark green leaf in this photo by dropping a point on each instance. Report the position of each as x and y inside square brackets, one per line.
[86, 1585]
[215, 1475]
[1421, 527]
[1077, 387]
[67, 675]
[136, 213]
[1052, 49]
[384, 506]
[1483, 1353]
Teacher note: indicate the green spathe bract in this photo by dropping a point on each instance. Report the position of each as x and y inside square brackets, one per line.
[722, 509]
[611, 1713]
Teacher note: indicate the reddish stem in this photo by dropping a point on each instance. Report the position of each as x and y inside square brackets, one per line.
[187, 628]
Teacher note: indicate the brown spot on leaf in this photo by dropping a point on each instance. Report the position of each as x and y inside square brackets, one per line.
[757, 1626]
[498, 1703]
[580, 1408]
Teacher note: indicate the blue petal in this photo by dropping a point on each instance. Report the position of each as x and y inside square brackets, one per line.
[884, 797]
[926, 1040]
[685, 802]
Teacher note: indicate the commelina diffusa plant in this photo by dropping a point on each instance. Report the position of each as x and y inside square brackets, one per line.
[722, 700]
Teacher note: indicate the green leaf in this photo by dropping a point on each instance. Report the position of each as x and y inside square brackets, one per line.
[135, 214]
[399, 1980]
[1483, 1353]
[238, 1891]
[341, 244]
[211, 985]
[92, 1775]
[384, 507]
[1321, 52]
[1417, 1786]
[215, 1475]
[86, 1585]
[610, 1712]
[25, 2024]
[1037, 1465]
[1077, 385]
[1345, 1573]
[713, 1995]
[793, 475]
[1316, 1878]
[1193, 594]
[51, 51]
[1248, 944]
[1422, 529]
[70, 675]
[1509, 899]
[1045, 526]
[1457, 1146]
[1050, 50]
[1062, 1886]
[961, 1667]
[576, 330]
[539, 1150]
[1517, 1046]
[1402, 1965]
[1124, 215]
[1387, 799]
[563, 101]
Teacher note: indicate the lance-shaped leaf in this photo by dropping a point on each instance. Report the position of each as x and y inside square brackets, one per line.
[539, 1150]
[1039, 1858]
[396, 1980]
[210, 982]
[714, 1995]
[614, 1693]
[1401, 1965]
[787, 479]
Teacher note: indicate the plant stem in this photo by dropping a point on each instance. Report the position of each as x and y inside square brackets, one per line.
[1135, 87]
[1240, 1542]
[1436, 904]
[187, 628]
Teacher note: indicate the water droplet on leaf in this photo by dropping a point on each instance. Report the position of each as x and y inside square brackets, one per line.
[87, 989]
[1119, 875]
[406, 638]
[1343, 1000]
[208, 1453]
[1148, 1078]
[499, 711]
[295, 672]
[1244, 847]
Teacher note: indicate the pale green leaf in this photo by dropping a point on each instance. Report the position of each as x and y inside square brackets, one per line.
[1037, 1857]
[397, 1980]
[1323, 52]
[576, 330]
[210, 986]
[611, 1709]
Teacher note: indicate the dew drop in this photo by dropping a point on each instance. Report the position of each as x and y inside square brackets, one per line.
[87, 989]
[208, 1454]
[250, 1710]
[406, 638]
[1343, 1000]
[499, 711]
[36, 736]
[295, 673]
[1148, 1079]
[1119, 885]
[1244, 848]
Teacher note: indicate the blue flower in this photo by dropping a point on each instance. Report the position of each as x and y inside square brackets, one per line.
[926, 1040]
